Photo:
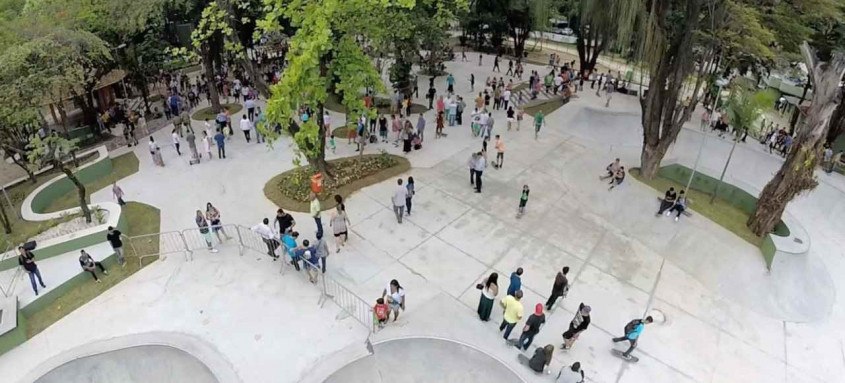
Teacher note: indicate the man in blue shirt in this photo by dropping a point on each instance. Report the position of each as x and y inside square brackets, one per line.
[516, 281]
[289, 241]
[220, 140]
[633, 330]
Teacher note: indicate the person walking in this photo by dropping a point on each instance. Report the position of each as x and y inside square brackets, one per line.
[213, 216]
[473, 158]
[268, 235]
[220, 140]
[90, 265]
[394, 295]
[202, 224]
[249, 104]
[513, 312]
[559, 288]
[285, 221]
[322, 251]
[500, 152]
[532, 327]
[115, 237]
[191, 138]
[246, 125]
[539, 120]
[578, 325]
[489, 290]
[411, 190]
[480, 166]
[571, 374]
[633, 330]
[315, 213]
[450, 84]
[155, 152]
[289, 241]
[117, 192]
[27, 260]
[339, 223]
[421, 127]
[207, 143]
[398, 200]
[175, 138]
[515, 281]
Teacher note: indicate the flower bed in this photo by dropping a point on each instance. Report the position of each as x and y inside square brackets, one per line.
[290, 190]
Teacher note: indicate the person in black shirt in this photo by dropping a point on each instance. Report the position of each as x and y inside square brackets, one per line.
[89, 264]
[532, 327]
[27, 260]
[578, 324]
[542, 358]
[114, 237]
[285, 221]
[667, 202]
[559, 288]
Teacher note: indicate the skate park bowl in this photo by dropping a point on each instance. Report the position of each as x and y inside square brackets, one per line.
[152, 363]
[424, 360]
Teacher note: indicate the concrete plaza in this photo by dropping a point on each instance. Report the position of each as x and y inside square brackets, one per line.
[722, 316]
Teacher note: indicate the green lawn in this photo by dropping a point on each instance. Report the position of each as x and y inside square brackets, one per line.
[547, 106]
[206, 113]
[720, 211]
[122, 166]
[142, 219]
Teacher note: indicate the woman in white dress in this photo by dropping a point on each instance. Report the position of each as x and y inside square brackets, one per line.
[206, 143]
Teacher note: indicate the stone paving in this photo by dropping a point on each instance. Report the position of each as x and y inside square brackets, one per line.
[724, 317]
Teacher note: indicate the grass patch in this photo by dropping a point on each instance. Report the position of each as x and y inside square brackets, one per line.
[382, 105]
[142, 219]
[122, 166]
[22, 230]
[720, 211]
[290, 190]
[207, 113]
[546, 106]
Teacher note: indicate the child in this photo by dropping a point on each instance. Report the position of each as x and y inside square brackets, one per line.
[519, 114]
[332, 144]
[380, 310]
[523, 200]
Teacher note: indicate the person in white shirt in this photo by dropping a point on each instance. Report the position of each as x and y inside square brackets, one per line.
[175, 137]
[558, 83]
[398, 200]
[155, 153]
[506, 98]
[268, 235]
[480, 165]
[246, 125]
[249, 104]
[570, 374]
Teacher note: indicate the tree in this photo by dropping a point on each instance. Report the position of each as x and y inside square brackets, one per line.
[54, 150]
[16, 125]
[796, 175]
[324, 56]
[600, 23]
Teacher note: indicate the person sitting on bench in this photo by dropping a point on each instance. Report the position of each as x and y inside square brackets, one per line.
[667, 202]
[680, 205]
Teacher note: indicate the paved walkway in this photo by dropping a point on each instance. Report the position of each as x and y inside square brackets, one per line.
[726, 318]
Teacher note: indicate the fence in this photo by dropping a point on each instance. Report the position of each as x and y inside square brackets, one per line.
[191, 240]
[14, 274]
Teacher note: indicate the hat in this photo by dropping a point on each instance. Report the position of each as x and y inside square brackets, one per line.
[538, 309]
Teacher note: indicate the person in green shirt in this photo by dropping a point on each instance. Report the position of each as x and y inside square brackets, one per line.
[538, 122]
[523, 200]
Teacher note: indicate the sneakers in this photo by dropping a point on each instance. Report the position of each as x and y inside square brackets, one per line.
[99, 281]
[668, 213]
[676, 219]
[213, 250]
[105, 272]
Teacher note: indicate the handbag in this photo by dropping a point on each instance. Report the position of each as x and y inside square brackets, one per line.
[479, 286]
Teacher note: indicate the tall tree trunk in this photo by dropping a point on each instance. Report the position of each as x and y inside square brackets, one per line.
[4, 218]
[80, 189]
[662, 114]
[145, 94]
[797, 172]
[793, 120]
[837, 122]
[24, 165]
[208, 65]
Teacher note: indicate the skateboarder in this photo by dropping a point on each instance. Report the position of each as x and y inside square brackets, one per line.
[633, 330]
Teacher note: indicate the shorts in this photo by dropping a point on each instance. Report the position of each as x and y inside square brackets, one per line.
[394, 306]
[343, 233]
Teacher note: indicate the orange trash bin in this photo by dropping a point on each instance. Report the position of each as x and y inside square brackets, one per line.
[317, 183]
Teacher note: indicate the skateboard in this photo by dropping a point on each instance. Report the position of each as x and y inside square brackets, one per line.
[619, 354]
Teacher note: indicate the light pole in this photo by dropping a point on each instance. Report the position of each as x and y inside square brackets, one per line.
[721, 83]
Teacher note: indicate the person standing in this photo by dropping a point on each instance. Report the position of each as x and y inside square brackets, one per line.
[213, 216]
[115, 237]
[571, 374]
[206, 143]
[315, 213]
[27, 260]
[513, 312]
[421, 127]
[450, 84]
[155, 152]
[516, 281]
[285, 221]
[398, 200]
[339, 223]
[268, 235]
[523, 200]
[430, 96]
[90, 265]
[496, 64]
[827, 159]
[633, 330]
[559, 288]
[480, 165]
[411, 190]
[322, 251]
[532, 327]
[250, 108]
[192, 144]
[117, 192]
[452, 108]
[220, 140]
[578, 325]
[489, 290]
[539, 119]
[289, 241]
[395, 298]
[500, 152]
[202, 224]
[245, 127]
[472, 82]
[471, 165]
[459, 110]
[510, 68]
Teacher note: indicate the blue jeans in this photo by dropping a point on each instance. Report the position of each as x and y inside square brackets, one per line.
[32, 275]
[319, 223]
[508, 327]
[451, 119]
[525, 340]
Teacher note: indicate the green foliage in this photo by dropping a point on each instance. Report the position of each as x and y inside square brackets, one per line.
[51, 150]
[746, 106]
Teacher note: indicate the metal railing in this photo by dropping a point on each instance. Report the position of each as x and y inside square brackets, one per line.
[192, 240]
[15, 275]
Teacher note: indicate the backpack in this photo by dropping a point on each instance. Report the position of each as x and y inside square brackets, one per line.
[632, 325]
